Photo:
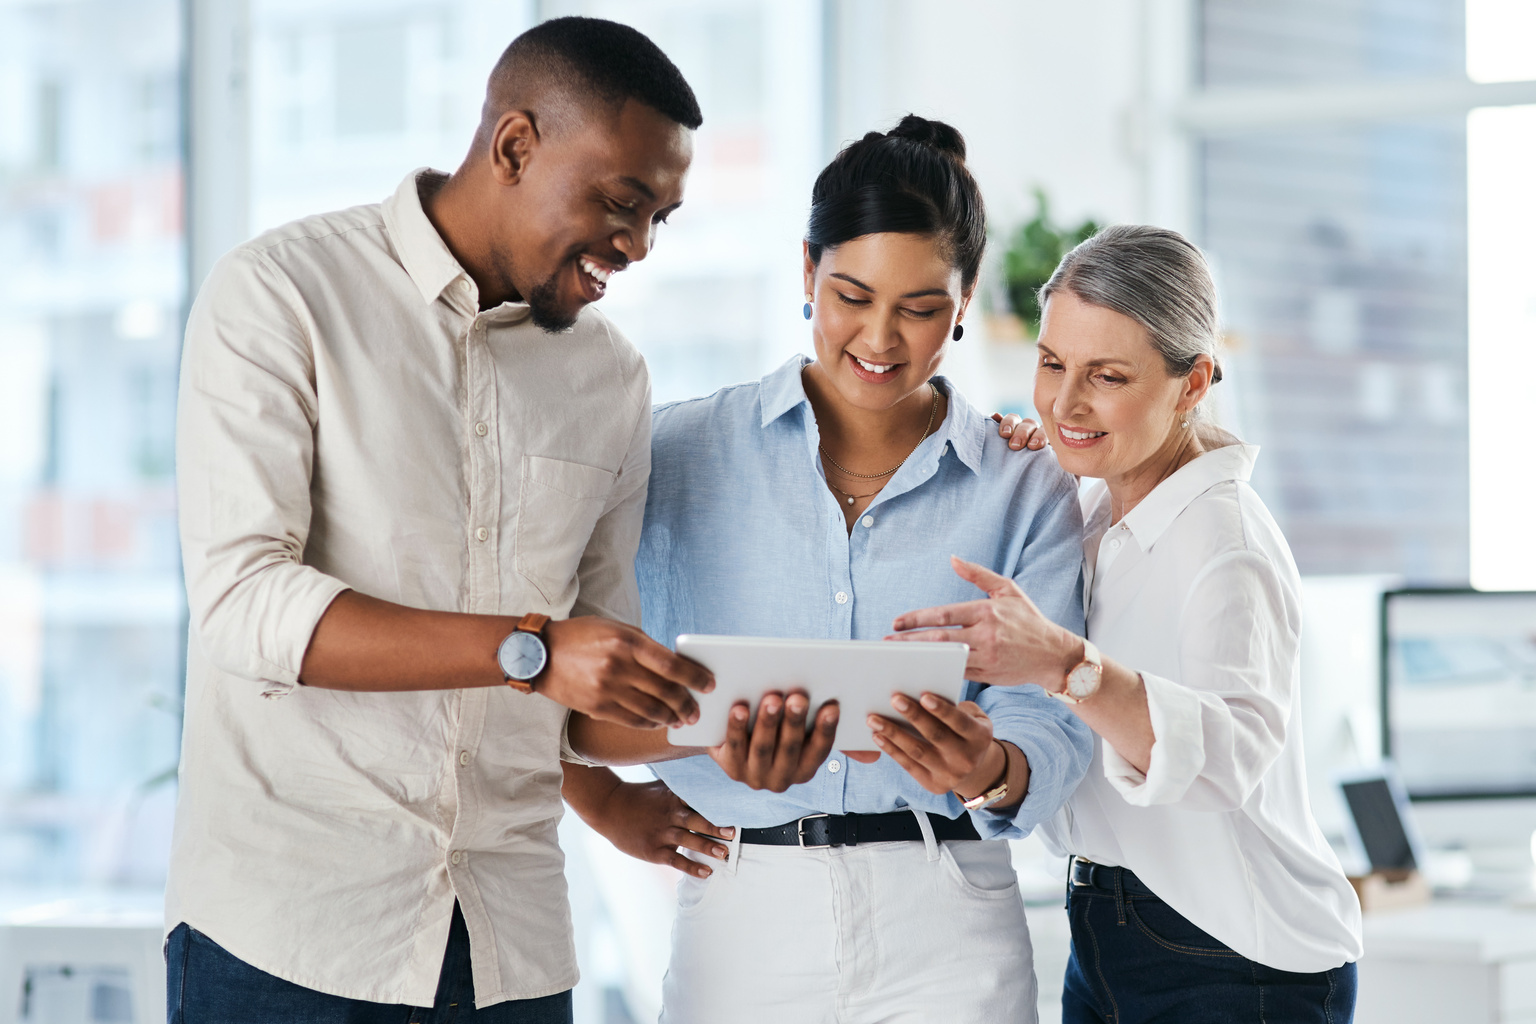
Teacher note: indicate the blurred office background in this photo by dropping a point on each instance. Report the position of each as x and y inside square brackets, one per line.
[1362, 173]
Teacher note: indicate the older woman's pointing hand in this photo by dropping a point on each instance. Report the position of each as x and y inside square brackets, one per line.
[1011, 641]
[1012, 644]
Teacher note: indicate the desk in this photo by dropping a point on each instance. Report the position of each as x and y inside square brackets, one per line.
[100, 964]
[1449, 962]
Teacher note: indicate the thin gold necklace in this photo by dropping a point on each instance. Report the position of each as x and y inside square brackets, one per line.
[933, 410]
[854, 497]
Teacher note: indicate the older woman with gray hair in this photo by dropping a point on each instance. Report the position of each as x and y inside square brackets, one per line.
[1201, 889]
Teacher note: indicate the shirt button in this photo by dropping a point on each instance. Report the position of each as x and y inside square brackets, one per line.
[834, 766]
[463, 757]
[840, 597]
[464, 286]
[482, 533]
[867, 522]
[457, 856]
[482, 429]
[1114, 545]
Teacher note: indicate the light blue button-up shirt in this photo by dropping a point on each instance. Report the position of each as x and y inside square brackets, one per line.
[742, 537]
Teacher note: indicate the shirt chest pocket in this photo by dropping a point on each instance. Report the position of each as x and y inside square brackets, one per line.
[559, 503]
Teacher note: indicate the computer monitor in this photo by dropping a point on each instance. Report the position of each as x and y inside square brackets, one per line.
[1459, 692]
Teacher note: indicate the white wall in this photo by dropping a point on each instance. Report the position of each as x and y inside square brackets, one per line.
[1037, 101]
[1047, 95]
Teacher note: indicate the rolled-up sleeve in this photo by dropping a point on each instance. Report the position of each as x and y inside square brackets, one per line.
[1057, 743]
[1059, 747]
[1220, 726]
[244, 463]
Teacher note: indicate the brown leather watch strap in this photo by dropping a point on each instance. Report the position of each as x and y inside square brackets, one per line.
[534, 623]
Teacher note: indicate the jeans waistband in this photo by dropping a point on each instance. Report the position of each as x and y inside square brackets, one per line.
[1102, 878]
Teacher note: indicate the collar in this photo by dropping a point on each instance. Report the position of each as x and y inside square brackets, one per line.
[964, 428]
[422, 251]
[1169, 499]
[424, 254]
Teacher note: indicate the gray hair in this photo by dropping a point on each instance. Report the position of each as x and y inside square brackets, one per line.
[1161, 280]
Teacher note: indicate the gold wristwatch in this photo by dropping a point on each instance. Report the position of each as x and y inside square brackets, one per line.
[997, 794]
[1085, 677]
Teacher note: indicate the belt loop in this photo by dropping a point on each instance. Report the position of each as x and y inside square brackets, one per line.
[733, 851]
[930, 844]
[1120, 895]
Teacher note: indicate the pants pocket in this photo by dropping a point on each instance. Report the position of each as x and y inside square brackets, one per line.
[983, 869]
[1173, 931]
[694, 893]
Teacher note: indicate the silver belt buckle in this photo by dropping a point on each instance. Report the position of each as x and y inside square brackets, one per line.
[800, 830]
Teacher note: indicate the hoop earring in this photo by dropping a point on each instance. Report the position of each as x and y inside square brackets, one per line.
[806, 310]
[958, 332]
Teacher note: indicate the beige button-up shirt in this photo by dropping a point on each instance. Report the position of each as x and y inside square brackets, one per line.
[349, 419]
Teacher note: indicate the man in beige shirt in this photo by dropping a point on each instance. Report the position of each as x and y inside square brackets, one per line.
[404, 440]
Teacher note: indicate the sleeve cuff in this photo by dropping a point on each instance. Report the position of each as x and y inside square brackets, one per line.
[1021, 821]
[278, 681]
[567, 752]
[1178, 747]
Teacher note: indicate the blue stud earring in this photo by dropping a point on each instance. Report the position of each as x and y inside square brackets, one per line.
[958, 332]
[807, 308]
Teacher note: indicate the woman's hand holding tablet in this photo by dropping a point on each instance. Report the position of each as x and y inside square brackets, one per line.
[778, 751]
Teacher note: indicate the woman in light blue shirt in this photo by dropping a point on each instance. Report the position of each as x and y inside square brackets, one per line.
[821, 502]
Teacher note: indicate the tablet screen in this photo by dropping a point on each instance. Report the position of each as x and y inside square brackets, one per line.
[861, 675]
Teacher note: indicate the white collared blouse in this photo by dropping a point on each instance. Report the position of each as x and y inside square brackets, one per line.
[350, 418]
[1195, 588]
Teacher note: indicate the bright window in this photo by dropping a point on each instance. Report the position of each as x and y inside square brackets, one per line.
[91, 602]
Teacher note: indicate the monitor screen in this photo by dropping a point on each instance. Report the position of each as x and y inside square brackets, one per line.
[1380, 825]
[1459, 692]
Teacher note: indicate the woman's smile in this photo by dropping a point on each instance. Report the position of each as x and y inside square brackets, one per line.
[1079, 438]
[873, 372]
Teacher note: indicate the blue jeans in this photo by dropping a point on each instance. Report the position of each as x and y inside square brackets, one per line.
[206, 984]
[1136, 960]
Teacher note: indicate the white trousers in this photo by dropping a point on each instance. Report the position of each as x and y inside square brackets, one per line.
[888, 932]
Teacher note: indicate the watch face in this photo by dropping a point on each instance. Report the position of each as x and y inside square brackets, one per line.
[522, 656]
[1083, 681]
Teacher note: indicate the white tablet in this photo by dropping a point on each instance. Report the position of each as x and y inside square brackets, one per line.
[861, 675]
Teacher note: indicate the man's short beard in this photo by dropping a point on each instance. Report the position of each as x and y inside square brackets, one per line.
[543, 304]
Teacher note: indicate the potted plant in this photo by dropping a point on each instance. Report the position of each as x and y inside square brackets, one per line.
[1033, 253]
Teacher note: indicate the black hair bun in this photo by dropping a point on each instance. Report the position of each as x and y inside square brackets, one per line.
[943, 137]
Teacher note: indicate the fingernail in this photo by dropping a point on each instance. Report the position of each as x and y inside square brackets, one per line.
[702, 871]
[875, 722]
[1005, 430]
[796, 705]
[728, 832]
[720, 852]
[900, 703]
[739, 714]
[930, 701]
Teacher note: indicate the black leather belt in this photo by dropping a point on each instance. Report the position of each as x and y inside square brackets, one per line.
[821, 830]
[1088, 875]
